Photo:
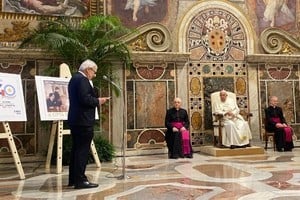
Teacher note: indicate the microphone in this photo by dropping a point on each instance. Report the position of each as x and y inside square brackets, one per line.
[113, 83]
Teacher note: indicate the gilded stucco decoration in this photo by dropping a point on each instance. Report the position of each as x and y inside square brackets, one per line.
[21, 10]
[150, 37]
[278, 41]
[22, 21]
[19, 30]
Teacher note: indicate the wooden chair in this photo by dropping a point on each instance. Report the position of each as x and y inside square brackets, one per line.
[269, 135]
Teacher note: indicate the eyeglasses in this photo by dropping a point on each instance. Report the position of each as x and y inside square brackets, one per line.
[93, 70]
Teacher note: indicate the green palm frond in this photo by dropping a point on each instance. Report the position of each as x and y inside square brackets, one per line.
[95, 38]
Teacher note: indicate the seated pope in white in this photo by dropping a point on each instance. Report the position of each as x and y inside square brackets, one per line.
[237, 131]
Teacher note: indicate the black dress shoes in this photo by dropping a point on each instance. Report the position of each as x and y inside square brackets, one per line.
[279, 150]
[85, 185]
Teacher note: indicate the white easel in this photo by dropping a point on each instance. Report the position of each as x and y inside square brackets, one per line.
[57, 127]
[8, 135]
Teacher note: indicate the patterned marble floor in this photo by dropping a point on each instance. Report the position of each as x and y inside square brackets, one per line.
[273, 175]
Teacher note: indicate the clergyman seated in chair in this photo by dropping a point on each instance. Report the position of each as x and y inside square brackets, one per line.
[236, 132]
[178, 135]
[275, 122]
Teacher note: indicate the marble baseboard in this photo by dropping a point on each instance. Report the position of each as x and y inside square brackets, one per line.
[215, 151]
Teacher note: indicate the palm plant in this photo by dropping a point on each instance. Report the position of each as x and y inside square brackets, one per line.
[94, 38]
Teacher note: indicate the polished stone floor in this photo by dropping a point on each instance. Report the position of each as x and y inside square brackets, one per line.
[273, 175]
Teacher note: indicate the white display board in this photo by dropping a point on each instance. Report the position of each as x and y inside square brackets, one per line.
[12, 106]
[53, 97]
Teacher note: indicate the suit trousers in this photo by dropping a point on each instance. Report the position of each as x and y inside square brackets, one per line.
[81, 141]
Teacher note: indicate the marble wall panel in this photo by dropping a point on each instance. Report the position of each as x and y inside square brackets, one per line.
[130, 104]
[297, 103]
[281, 80]
[150, 104]
[151, 89]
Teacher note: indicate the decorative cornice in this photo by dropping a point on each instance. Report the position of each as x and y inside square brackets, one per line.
[270, 58]
[160, 56]
[149, 37]
[278, 41]
[26, 54]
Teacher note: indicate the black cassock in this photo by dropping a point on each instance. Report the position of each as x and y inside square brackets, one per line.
[276, 112]
[173, 139]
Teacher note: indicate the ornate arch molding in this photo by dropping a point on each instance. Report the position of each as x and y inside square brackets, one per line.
[278, 41]
[220, 4]
[149, 37]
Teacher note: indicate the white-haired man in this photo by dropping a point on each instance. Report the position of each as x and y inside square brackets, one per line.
[237, 131]
[81, 119]
[178, 135]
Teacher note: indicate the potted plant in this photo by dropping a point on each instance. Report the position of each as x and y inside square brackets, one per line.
[95, 38]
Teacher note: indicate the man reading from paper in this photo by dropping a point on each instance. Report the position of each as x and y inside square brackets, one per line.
[237, 131]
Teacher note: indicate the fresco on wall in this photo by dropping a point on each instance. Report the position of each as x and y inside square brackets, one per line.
[134, 13]
[273, 13]
[76, 8]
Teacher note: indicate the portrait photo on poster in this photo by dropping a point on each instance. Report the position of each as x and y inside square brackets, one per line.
[12, 106]
[53, 97]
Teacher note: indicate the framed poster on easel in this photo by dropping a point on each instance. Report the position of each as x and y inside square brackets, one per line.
[11, 98]
[12, 108]
[53, 99]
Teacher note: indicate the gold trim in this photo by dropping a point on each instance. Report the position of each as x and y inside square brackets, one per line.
[19, 31]
[96, 7]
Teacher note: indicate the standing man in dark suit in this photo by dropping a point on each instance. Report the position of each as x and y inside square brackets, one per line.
[81, 119]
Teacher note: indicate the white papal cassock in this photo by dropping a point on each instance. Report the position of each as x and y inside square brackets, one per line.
[237, 131]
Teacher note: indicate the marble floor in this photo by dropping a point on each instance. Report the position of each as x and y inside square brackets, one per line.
[273, 175]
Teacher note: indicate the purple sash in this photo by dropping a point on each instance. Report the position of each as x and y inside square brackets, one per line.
[287, 130]
[185, 135]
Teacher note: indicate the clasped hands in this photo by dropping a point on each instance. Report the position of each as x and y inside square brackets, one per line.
[280, 125]
[229, 114]
[174, 129]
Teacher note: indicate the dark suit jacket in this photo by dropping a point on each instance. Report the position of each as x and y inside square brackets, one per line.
[83, 101]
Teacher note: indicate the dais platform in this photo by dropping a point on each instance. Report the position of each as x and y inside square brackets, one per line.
[216, 151]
